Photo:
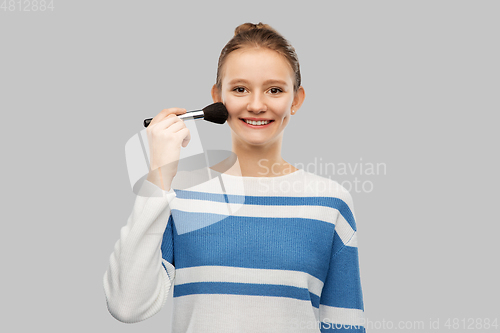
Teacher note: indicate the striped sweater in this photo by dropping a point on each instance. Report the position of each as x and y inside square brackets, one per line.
[242, 254]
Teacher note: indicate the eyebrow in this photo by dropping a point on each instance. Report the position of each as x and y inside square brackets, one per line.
[271, 81]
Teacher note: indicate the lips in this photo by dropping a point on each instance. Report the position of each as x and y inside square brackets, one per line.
[256, 126]
[256, 119]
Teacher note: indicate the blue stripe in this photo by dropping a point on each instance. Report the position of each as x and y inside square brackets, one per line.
[251, 289]
[265, 243]
[343, 287]
[167, 244]
[335, 203]
[188, 222]
[314, 299]
[216, 197]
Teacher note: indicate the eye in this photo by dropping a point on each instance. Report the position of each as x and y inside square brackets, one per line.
[275, 91]
[239, 89]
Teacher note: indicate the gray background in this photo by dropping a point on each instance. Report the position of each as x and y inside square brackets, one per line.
[411, 84]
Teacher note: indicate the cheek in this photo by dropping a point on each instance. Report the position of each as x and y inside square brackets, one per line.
[234, 105]
[282, 109]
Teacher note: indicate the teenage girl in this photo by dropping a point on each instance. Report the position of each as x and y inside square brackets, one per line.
[286, 261]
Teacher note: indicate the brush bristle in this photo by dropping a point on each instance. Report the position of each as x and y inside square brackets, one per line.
[216, 113]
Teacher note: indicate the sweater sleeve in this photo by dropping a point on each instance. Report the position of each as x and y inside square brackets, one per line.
[138, 279]
[341, 303]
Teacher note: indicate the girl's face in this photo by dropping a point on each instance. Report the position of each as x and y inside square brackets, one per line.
[258, 85]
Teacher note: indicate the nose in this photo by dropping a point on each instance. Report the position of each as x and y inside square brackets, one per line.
[257, 103]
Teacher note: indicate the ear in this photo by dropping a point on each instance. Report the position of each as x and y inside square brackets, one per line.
[216, 96]
[298, 99]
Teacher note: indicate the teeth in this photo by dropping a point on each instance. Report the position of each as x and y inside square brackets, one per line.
[251, 122]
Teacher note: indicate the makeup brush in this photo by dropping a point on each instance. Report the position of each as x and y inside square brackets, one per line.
[216, 113]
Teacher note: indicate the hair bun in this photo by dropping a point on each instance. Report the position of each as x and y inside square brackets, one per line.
[251, 26]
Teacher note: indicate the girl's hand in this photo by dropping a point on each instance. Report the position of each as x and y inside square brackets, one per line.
[166, 134]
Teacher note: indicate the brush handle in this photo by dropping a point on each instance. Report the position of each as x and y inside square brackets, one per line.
[196, 114]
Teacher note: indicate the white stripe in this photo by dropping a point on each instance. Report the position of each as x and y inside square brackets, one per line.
[249, 275]
[321, 213]
[316, 313]
[343, 316]
[170, 269]
[216, 313]
[296, 185]
[354, 240]
[343, 229]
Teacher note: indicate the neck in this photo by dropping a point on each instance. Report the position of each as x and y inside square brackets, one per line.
[256, 161]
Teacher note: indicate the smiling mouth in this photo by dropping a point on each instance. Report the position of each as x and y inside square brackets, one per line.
[257, 123]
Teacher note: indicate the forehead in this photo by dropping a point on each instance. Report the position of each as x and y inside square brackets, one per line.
[257, 65]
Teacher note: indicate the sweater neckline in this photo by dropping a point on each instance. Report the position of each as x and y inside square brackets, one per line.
[288, 175]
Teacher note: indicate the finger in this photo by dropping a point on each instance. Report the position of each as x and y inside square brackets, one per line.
[161, 124]
[177, 126]
[173, 128]
[166, 122]
[164, 113]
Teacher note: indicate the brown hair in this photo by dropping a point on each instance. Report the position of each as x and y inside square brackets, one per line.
[259, 35]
